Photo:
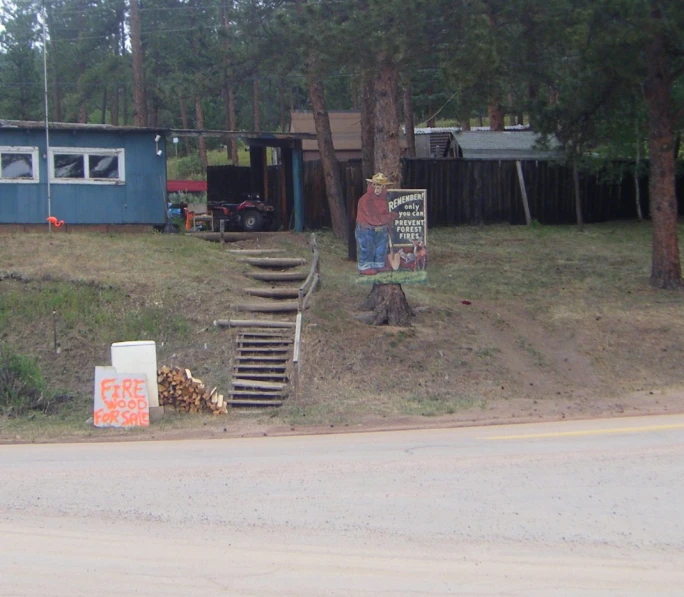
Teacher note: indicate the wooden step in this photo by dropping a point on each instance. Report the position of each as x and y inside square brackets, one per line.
[275, 307]
[264, 341]
[235, 401]
[278, 276]
[257, 393]
[257, 377]
[266, 385]
[273, 292]
[266, 360]
[253, 251]
[259, 367]
[265, 333]
[268, 351]
[273, 261]
[253, 323]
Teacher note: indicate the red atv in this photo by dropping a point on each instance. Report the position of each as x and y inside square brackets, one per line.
[250, 215]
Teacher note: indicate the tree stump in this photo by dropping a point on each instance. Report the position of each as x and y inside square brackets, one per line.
[389, 305]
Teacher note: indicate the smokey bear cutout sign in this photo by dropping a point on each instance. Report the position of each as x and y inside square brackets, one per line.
[406, 255]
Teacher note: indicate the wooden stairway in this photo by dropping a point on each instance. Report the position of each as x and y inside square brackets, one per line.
[260, 371]
[264, 359]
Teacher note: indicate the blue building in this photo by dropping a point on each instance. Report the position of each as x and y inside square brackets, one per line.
[83, 174]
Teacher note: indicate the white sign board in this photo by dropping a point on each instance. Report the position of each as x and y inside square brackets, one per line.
[120, 399]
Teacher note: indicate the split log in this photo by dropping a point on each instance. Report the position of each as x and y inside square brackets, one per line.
[389, 305]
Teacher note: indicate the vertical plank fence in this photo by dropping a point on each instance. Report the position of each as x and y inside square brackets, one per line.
[466, 192]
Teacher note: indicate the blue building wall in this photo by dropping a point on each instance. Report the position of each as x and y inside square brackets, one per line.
[141, 199]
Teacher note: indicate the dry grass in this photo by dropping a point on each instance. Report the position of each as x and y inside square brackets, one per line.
[554, 314]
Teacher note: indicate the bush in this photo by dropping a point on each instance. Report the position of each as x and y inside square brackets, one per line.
[22, 386]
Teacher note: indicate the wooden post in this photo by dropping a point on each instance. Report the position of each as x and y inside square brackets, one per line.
[523, 191]
[295, 352]
[222, 229]
[578, 199]
[636, 174]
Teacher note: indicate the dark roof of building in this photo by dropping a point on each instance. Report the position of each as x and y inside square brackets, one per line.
[505, 145]
[344, 125]
[74, 126]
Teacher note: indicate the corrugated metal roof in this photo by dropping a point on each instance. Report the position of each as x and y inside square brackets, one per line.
[504, 145]
[75, 126]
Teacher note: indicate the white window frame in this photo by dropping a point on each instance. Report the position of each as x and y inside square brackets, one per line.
[34, 157]
[85, 152]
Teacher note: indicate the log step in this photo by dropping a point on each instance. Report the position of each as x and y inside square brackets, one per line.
[263, 336]
[266, 385]
[264, 350]
[277, 307]
[256, 393]
[260, 367]
[278, 276]
[273, 292]
[246, 402]
[250, 376]
[253, 323]
[267, 360]
[273, 261]
[264, 341]
[253, 251]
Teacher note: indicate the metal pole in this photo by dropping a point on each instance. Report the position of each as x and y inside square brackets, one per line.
[43, 20]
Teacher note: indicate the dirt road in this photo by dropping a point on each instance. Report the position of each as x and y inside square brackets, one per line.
[576, 508]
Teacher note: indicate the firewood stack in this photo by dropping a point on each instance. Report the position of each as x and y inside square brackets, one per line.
[178, 388]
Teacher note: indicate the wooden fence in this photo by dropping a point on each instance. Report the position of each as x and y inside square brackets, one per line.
[476, 192]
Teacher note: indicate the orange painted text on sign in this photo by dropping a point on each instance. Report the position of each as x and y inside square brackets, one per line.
[120, 399]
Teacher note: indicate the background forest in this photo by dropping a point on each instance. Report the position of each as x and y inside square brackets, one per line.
[242, 65]
[604, 76]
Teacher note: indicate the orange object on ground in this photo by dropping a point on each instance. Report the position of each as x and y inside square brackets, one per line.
[54, 221]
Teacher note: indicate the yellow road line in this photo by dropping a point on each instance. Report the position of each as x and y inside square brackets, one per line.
[588, 432]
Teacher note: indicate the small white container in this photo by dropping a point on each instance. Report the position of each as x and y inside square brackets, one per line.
[138, 357]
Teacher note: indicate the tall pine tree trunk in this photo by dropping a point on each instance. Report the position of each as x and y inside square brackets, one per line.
[496, 116]
[367, 123]
[408, 120]
[233, 153]
[331, 170]
[185, 122]
[387, 149]
[139, 99]
[201, 142]
[228, 94]
[255, 105]
[284, 116]
[388, 301]
[115, 105]
[665, 265]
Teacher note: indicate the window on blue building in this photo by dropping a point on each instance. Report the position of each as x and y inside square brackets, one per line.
[87, 165]
[18, 164]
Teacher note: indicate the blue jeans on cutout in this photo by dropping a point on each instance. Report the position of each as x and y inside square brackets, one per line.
[371, 246]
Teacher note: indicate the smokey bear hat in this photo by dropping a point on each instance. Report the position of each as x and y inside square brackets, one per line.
[379, 179]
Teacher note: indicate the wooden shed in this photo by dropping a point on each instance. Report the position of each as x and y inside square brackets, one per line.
[346, 133]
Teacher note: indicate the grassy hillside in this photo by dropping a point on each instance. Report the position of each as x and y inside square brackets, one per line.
[538, 314]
